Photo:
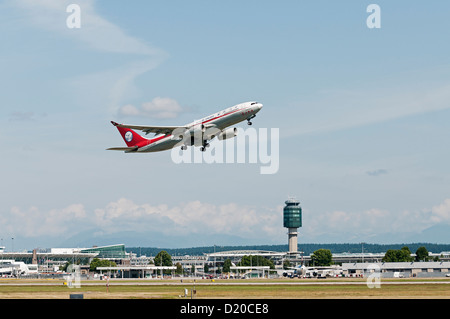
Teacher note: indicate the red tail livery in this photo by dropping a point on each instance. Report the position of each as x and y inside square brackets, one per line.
[131, 137]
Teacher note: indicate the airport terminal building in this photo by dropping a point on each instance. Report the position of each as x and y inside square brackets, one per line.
[425, 269]
[47, 262]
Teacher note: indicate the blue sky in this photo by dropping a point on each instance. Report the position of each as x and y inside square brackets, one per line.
[363, 117]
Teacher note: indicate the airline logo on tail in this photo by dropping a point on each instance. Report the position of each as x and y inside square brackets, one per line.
[128, 136]
[131, 138]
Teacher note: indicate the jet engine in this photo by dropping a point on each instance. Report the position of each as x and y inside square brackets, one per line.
[228, 133]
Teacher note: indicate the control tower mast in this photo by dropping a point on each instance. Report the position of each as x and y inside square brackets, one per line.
[292, 220]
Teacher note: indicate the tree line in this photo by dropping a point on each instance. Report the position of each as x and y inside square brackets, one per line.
[404, 254]
[306, 248]
[320, 257]
[324, 257]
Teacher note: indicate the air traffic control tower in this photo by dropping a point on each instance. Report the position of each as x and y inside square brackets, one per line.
[292, 220]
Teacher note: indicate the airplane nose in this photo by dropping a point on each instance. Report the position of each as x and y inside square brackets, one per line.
[259, 105]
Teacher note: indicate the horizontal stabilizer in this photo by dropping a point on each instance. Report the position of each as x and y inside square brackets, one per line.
[151, 129]
[125, 149]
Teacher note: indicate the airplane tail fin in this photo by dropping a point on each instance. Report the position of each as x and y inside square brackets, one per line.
[131, 138]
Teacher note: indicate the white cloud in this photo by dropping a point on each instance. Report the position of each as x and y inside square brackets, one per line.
[374, 222]
[96, 33]
[158, 108]
[342, 109]
[33, 222]
[199, 218]
[377, 172]
[441, 213]
[187, 218]
[183, 219]
[21, 116]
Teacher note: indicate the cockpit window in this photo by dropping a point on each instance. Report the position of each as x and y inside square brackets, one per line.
[253, 103]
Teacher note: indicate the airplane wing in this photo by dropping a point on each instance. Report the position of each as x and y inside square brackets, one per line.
[125, 149]
[151, 129]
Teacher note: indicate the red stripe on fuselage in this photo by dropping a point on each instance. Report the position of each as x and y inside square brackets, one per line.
[215, 118]
[151, 141]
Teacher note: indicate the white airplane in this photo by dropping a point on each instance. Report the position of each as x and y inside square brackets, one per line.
[197, 133]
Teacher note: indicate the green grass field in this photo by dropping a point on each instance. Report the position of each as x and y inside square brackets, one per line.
[233, 289]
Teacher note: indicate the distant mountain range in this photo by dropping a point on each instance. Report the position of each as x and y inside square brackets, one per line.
[435, 234]
[438, 234]
[307, 248]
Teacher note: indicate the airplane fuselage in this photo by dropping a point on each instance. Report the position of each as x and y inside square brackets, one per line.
[218, 121]
[230, 116]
